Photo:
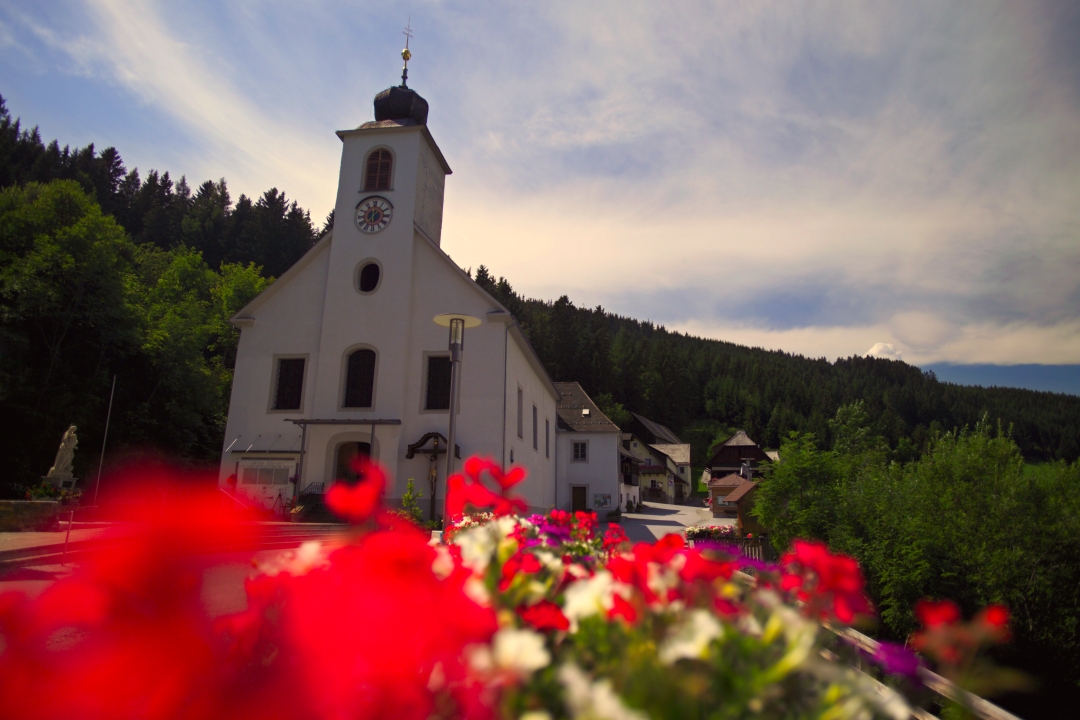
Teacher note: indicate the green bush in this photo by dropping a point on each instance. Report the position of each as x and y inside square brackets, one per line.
[964, 521]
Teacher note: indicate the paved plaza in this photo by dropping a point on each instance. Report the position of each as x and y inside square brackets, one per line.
[658, 519]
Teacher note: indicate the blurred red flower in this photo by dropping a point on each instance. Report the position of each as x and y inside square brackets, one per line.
[359, 502]
[830, 585]
[932, 613]
[544, 615]
[463, 490]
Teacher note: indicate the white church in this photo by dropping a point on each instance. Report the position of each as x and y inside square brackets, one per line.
[341, 355]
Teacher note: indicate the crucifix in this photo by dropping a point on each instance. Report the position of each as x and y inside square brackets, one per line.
[437, 448]
[405, 54]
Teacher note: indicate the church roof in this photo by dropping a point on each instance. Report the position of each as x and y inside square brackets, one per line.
[578, 413]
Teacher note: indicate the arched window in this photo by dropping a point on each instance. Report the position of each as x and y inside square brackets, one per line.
[377, 175]
[360, 379]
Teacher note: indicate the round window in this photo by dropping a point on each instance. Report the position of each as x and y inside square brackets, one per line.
[369, 277]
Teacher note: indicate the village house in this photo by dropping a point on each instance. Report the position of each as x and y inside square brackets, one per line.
[678, 462]
[655, 472]
[742, 498]
[589, 472]
[733, 465]
[669, 478]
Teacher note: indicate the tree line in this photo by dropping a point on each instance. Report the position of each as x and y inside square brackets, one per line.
[703, 388]
[103, 273]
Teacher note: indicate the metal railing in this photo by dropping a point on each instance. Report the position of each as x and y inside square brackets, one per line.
[943, 687]
[235, 499]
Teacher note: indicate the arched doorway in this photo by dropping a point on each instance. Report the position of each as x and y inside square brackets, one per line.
[346, 454]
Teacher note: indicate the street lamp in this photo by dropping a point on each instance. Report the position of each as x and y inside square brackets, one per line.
[457, 324]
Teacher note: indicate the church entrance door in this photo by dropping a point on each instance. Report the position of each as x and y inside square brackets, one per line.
[346, 453]
[577, 498]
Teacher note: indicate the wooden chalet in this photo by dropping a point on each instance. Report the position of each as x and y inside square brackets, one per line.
[729, 456]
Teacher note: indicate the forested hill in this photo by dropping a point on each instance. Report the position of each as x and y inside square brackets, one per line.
[704, 388]
[106, 272]
[270, 231]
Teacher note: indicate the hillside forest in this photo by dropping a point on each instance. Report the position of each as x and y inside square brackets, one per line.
[105, 271]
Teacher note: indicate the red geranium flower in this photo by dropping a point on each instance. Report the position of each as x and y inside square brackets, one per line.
[544, 615]
[357, 503]
[622, 609]
[830, 585]
[996, 616]
[467, 489]
[520, 562]
[932, 613]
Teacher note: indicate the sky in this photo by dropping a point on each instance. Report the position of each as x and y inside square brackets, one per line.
[825, 178]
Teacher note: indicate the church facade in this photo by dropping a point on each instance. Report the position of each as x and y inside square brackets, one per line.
[341, 354]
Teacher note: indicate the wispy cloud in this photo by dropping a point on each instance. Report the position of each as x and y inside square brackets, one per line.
[814, 177]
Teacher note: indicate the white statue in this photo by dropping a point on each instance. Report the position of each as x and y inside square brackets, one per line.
[62, 465]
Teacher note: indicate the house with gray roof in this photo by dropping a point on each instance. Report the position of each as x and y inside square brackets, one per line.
[678, 459]
[587, 454]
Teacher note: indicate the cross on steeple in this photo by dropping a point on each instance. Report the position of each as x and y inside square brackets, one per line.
[405, 54]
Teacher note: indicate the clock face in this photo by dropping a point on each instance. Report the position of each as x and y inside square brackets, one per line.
[373, 214]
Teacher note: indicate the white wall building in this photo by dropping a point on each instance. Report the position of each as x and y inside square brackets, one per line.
[588, 472]
[341, 355]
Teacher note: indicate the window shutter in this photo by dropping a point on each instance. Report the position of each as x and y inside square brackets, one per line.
[377, 175]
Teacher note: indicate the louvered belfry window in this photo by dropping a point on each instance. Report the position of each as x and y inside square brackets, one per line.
[377, 176]
[360, 379]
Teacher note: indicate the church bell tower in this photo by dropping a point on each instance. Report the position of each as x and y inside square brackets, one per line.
[390, 197]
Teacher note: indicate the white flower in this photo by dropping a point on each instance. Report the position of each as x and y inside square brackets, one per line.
[589, 596]
[690, 639]
[477, 545]
[476, 591]
[480, 659]
[536, 715]
[506, 525]
[549, 560]
[443, 564]
[310, 555]
[520, 651]
[593, 700]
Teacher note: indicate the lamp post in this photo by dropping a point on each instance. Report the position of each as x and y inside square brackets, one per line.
[457, 324]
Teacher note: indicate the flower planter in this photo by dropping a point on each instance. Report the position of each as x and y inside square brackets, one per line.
[22, 515]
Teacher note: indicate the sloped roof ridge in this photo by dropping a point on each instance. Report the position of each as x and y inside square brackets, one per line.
[572, 398]
[739, 439]
[740, 491]
[659, 430]
[679, 452]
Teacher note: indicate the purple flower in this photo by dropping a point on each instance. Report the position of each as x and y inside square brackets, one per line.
[897, 660]
[758, 565]
[556, 534]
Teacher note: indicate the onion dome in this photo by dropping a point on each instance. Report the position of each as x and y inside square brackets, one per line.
[402, 104]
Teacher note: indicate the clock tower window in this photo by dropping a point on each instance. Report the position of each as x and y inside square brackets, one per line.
[377, 175]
